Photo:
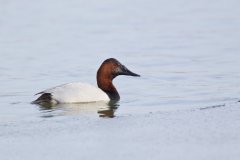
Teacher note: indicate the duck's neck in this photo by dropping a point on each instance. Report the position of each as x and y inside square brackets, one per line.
[107, 86]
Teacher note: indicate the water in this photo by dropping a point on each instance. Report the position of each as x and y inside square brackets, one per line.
[184, 105]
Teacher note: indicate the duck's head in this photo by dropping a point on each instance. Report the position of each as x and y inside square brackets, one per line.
[112, 68]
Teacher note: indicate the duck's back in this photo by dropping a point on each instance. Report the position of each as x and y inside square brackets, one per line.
[75, 93]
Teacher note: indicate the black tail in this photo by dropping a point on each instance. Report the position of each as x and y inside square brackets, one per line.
[43, 99]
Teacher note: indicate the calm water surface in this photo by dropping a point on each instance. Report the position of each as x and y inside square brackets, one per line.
[187, 54]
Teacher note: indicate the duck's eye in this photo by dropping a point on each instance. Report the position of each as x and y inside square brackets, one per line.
[115, 65]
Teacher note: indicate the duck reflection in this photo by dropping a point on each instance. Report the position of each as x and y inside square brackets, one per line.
[101, 109]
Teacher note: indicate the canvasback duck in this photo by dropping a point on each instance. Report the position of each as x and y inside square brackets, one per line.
[78, 92]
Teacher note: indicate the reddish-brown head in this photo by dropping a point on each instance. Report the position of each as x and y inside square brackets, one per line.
[110, 69]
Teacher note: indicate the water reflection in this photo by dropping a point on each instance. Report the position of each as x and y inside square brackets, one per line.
[101, 109]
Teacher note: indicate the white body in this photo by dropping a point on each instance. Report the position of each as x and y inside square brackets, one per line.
[77, 93]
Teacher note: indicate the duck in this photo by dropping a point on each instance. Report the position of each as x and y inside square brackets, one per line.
[78, 92]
